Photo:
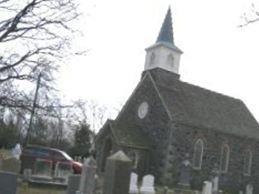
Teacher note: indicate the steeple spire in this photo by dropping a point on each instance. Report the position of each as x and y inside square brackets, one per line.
[164, 54]
[166, 31]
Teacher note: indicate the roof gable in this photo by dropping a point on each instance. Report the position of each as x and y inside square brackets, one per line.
[199, 107]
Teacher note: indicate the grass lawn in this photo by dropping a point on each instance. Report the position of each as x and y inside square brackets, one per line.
[25, 189]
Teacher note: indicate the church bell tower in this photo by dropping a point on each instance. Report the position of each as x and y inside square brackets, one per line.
[164, 54]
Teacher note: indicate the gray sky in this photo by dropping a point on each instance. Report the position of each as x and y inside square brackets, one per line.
[217, 54]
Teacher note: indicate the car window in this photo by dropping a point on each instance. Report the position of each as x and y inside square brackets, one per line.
[37, 152]
[58, 156]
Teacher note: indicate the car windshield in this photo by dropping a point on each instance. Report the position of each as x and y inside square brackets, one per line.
[66, 155]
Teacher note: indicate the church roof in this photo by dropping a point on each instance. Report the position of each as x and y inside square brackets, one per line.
[198, 107]
[129, 135]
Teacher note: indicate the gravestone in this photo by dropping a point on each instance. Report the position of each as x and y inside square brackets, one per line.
[42, 168]
[133, 183]
[87, 181]
[185, 174]
[147, 186]
[249, 189]
[117, 174]
[165, 190]
[8, 183]
[207, 187]
[215, 185]
[63, 170]
[27, 174]
[11, 165]
[73, 184]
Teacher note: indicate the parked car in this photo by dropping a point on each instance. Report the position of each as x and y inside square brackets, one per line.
[32, 153]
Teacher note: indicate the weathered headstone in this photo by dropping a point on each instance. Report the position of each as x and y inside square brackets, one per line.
[249, 189]
[207, 187]
[133, 183]
[147, 186]
[165, 190]
[8, 183]
[73, 184]
[11, 165]
[63, 170]
[43, 168]
[117, 174]
[27, 174]
[215, 185]
[185, 174]
[87, 181]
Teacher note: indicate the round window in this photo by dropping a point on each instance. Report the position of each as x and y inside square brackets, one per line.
[142, 110]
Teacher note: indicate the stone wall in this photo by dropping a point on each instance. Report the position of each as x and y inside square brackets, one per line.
[154, 125]
[182, 142]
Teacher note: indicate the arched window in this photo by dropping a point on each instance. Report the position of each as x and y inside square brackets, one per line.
[224, 160]
[152, 59]
[247, 162]
[198, 154]
[170, 60]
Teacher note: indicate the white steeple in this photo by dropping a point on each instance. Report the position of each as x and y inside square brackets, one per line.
[164, 54]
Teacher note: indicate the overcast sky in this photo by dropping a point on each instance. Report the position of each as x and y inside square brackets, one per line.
[217, 54]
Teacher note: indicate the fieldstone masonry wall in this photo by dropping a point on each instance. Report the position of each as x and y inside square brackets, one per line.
[182, 142]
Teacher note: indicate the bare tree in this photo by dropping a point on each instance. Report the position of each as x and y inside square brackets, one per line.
[34, 37]
[250, 17]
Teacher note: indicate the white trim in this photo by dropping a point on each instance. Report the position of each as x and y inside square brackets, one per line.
[250, 155]
[226, 162]
[201, 155]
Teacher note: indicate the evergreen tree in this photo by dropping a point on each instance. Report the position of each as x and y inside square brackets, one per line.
[83, 137]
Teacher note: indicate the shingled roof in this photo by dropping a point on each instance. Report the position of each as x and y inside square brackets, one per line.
[126, 134]
[195, 106]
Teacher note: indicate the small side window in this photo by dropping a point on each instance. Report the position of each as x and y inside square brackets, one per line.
[152, 59]
[247, 162]
[198, 154]
[224, 160]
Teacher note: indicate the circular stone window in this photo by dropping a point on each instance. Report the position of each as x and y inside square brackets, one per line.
[142, 110]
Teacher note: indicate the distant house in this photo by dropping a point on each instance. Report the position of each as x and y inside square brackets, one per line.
[166, 121]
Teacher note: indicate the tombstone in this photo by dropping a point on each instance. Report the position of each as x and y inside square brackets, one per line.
[117, 174]
[27, 174]
[249, 189]
[185, 174]
[42, 168]
[207, 187]
[147, 186]
[8, 183]
[133, 183]
[63, 170]
[87, 181]
[11, 165]
[73, 184]
[215, 185]
[165, 190]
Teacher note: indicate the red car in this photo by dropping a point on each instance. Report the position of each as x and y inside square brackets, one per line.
[31, 153]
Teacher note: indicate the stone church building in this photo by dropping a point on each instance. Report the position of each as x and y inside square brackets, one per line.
[166, 121]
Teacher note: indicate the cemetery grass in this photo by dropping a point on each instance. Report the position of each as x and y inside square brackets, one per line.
[34, 190]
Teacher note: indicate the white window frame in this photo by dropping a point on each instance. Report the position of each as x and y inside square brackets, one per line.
[198, 141]
[225, 163]
[250, 154]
